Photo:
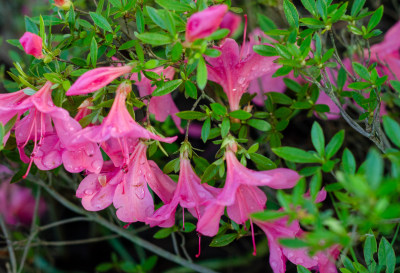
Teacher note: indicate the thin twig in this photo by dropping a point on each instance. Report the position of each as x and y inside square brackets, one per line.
[10, 248]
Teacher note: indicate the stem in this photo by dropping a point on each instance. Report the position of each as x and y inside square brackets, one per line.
[13, 260]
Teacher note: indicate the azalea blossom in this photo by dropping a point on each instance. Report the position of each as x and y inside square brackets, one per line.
[234, 69]
[32, 44]
[240, 194]
[17, 203]
[132, 198]
[64, 4]
[204, 23]
[160, 106]
[189, 194]
[231, 21]
[97, 78]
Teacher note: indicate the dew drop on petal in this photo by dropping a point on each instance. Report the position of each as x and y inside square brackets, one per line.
[299, 261]
[97, 164]
[139, 191]
[88, 192]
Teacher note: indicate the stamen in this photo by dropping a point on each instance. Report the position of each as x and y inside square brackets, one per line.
[198, 254]
[253, 239]
[244, 37]
[29, 167]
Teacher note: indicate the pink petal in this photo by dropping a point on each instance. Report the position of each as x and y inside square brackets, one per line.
[32, 44]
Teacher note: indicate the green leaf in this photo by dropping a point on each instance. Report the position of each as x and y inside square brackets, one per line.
[396, 85]
[280, 98]
[302, 269]
[225, 127]
[310, 6]
[170, 23]
[265, 23]
[128, 45]
[205, 130]
[295, 155]
[262, 163]
[322, 9]
[201, 75]
[139, 20]
[335, 144]
[293, 243]
[167, 87]
[318, 139]
[361, 71]
[370, 248]
[191, 115]
[392, 130]
[374, 168]
[30, 26]
[348, 162]
[174, 5]
[218, 109]
[176, 52]
[386, 255]
[259, 124]
[190, 89]
[240, 114]
[265, 50]
[209, 173]
[375, 19]
[100, 21]
[156, 17]
[291, 13]
[223, 240]
[218, 34]
[153, 38]
[357, 6]
[268, 215]
[163, 233]
[93, 51]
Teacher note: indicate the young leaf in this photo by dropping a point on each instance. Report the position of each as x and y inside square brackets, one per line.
[167, 87]
[100, 21]
[334, 145]
[392, 130]
[201, 75]
[223, 239]
[291, 13]
[205, 130]
[375, 19]
[295, 155]
[318, 139]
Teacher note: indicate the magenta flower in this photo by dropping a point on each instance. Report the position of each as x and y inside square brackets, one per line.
[132, 198]
[234, 69]
[16, 203]
[32, 44]
[241, 192]
[189, 194]
[162, 106]
[204, 23]
[97, 78]
[231, 21]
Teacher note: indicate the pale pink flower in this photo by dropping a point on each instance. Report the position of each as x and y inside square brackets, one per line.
[32, 44]
[97, 78]
[189, 194]
[204, 23]
[235, 69]
[97, 190]
[241, 192]
[64, 4]
[17, 203]
[132, 198]
[231, 21]
[118, 125]
[160, 106]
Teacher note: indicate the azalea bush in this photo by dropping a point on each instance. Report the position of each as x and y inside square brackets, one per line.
[179, 131]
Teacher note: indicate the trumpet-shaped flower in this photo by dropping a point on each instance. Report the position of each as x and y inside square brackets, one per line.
[190, 194]
[97, 78]
[118, 125]
[235, 69]
[204, 23]
[231, 21]
[132, 198]
[241, 192]
[32, 44]
[161, 106]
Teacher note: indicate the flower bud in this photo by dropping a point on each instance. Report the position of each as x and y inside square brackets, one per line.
[32, 44]
[63, 4]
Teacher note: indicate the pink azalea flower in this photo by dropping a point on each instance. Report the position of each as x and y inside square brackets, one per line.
[97, 78]
[162, 106]
[387, 53]
[51, 144]
[32, 44]
[132, 198]
[234, 69]
[204, 23]
[97, 190]
[190, 194]
[241, 192]
[64, 4]
[17, 203]
[118, 125]
[8, 108]
[231, 21]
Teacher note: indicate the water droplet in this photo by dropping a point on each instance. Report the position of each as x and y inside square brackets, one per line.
[88, 192]
[299, 261]
[97, 164]
[290, 255]
[234, 90]
[139, 191]
[102, 180]
[50, 103]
